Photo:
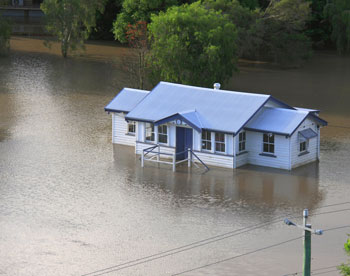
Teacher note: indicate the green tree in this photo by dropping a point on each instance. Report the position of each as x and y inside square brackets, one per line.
[345, 268]
[318, 28]
[71, 21]
[105, 20]
[192, 45]
[135, 64]
[138, 10]
[251, 4]
[338, 13]
[5, 35]
[284, 39]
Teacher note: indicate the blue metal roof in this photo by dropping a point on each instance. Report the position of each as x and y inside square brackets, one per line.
[277, 120]
[307, 134]
[126, 100]
[219, 110]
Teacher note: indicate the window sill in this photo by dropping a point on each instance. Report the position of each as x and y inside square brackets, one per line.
[242, 152]
[303, 153]
[268, 155]
[214, 153]
[130, 134]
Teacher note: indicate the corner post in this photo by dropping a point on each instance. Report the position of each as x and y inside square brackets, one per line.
[142, 158]
[174, 162]
[307, 245]
[189, 157]
[158, 155]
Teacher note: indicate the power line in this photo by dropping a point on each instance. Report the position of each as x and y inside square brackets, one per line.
[196, 244]
[237, 256]
[324, 272]
[251, 252]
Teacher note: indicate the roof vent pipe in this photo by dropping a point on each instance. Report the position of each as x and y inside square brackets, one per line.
[217, 86]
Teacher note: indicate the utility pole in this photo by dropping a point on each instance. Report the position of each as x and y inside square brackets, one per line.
[307, 240]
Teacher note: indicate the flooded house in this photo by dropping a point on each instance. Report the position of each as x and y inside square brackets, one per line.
[214, 127]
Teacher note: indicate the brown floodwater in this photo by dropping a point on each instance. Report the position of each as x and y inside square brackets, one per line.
[72, 203]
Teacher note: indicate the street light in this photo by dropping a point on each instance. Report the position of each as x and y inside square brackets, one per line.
[307, 240]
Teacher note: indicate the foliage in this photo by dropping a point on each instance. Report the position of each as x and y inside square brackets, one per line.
[338, 13]
[5, 2]
[273, 34]
[138, 10]
[318, 28]
[248, 30]
[284, 39]
[104, 21]
[136, 65]
[192, 45]
[5, 34]
[251, 4]
[345, 268]
[71, 21]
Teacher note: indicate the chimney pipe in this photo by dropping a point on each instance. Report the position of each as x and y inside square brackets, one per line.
[217, 86]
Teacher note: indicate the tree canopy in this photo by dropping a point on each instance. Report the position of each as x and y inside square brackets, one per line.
[192, 45]
[138, 10]
[345, 268]
[338, 13]
[71, 21]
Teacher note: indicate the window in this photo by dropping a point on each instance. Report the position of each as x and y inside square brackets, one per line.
[149, 132]
[269, 143]
[131, 127]
[206, 140]
[220, 142]
[303, 146]
[163, 134]
[242, 139]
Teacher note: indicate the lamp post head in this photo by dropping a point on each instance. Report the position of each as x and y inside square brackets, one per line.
[306, 213]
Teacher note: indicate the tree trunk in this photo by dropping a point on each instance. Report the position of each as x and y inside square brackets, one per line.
[64, 48]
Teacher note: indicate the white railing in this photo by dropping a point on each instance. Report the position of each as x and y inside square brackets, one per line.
[154, 154]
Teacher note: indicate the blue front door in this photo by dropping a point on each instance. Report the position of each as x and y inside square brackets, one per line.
[184, 138]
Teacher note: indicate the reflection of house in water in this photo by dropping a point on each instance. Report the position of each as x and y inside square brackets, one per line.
[249, 186]
[222, 128]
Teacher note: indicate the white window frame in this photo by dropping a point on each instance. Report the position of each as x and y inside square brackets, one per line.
[306, 146]
[242, 141]
[269, 143]
[208, 141]
[163, 134]
[220, 143]
[152, 133]
[131, 124]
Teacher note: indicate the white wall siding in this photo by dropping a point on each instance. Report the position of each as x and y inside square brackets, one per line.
[255, 148]
[172, 135]
[313, 144]
[120, 129]
[215, 159]
[242, 158]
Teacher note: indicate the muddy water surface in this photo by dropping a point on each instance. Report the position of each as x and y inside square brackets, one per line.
[72, 203]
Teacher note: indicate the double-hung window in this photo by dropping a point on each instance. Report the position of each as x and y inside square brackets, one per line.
[303, 146]
[206, 140]
[163, 134]
[220, 142]
[269, 143]
[149, 132]
[242, 140]
[131, 127]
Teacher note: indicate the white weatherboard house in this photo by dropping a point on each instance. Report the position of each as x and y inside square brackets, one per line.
[221, 128]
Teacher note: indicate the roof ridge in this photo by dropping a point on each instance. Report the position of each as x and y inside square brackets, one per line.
[213, 90]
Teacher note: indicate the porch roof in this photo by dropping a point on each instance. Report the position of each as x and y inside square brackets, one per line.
[126, 100]
[279, 120]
